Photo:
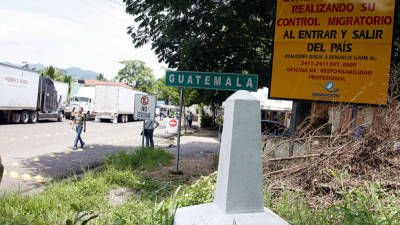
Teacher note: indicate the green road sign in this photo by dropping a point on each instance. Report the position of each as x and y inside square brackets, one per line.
[220, 81]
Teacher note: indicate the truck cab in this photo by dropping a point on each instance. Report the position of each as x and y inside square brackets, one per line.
[84, 98]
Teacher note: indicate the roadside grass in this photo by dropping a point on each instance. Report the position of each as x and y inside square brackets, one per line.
[88, 194]
[85, 199]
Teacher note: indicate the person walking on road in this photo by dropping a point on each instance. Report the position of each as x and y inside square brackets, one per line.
[190, 119]
[80, 124]
[148, 131]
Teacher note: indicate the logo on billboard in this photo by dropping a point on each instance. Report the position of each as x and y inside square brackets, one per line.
[329, 87]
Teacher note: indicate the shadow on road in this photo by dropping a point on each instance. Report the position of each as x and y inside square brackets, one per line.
[64, 164]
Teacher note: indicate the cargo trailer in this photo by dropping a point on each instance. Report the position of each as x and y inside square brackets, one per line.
[26, 96]
[114, 103]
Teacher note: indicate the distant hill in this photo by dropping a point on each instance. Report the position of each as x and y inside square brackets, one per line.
[75, 72]
[79, 74]
[37, 67]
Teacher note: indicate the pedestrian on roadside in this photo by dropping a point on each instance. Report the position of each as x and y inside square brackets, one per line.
[190, 119]
[79, 122]
[148, 131]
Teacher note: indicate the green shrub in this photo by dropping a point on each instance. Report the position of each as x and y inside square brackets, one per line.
[133, 160]
[206, 121]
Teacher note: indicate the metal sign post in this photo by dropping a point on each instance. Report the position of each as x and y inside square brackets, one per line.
[144, 122]
[179, 131]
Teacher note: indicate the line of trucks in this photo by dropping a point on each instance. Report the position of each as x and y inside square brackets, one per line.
[27, 97]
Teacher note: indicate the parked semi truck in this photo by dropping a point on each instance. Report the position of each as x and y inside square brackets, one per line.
[84, 98]
[114, 103]
[62, 94]
[26, 96]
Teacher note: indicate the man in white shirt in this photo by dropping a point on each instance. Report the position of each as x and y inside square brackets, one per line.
[148, 131]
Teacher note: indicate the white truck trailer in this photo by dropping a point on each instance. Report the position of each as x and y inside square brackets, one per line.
[115, 103]
[62, 94]
[26, 96]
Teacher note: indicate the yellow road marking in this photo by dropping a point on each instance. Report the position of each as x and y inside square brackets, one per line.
[53, 155]
[101, 144]
[15, 164]
[5, 173]
[26, 177]
[36, 159]
[91, 146]
[67, 152]
[39, 179]
[79, 150]
[14, 174]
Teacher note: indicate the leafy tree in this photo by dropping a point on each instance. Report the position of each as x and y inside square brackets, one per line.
[164, 92]
[53, 73]
[68, 80]
[221, 36]
[136, 74]
[100, 77]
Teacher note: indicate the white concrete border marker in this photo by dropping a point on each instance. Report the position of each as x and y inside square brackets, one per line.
[239, 197]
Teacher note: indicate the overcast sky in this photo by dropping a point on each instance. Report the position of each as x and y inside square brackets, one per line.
[90, 34]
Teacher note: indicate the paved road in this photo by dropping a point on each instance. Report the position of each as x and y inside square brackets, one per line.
[35, 152]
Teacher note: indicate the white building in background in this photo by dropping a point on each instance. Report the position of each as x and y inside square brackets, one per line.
[270, 104]
[275, 110]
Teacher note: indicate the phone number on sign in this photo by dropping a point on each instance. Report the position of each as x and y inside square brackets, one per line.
[321, 63]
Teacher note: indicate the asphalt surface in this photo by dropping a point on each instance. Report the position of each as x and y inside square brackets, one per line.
[37, 153]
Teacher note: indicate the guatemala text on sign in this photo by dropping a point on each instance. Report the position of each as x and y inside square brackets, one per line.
[220, 81]
[333, 50]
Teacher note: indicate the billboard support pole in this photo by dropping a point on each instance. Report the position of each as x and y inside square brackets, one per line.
[354, 113]
[179, 131]
[292, 127]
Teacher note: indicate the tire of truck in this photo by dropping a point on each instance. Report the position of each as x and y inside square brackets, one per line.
[59, 117]
[125, 117]
[24, 117]
[115, 120]
[15, 117]
[33, 117]
[97, 120]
